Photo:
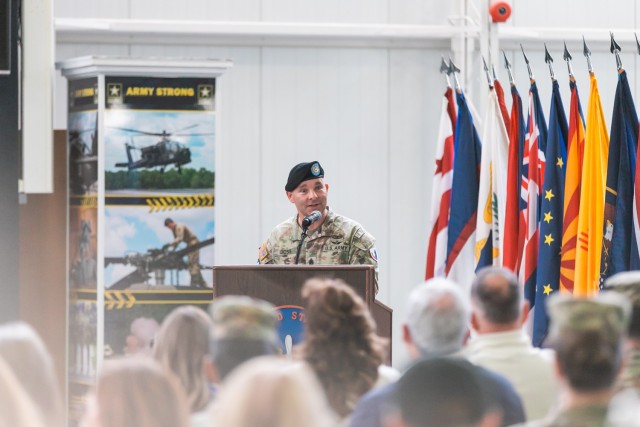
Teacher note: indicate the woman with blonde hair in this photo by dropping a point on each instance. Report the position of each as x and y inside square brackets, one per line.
[340, 343]
[16, 408]
[269, 391]
[30, 361]
[182, 346]
[135, 392]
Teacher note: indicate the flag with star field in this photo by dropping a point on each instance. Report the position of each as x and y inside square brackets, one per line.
[548, 273]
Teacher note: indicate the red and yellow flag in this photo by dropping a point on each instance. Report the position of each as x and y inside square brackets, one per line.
[575, 149]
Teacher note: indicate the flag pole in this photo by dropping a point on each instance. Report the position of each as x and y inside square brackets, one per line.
[615, 49]
[567, 57]
[531, 77]
[587, 53]
[453, 70]
[507, 65]
[444, 69]
[549, 60]
[486, 72]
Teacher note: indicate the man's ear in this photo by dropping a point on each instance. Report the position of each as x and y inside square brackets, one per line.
[210, 370]
[289, 196]
[475, 324]
[525, 312]
[406, 334]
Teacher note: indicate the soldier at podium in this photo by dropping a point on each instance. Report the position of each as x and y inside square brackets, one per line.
[316, 234]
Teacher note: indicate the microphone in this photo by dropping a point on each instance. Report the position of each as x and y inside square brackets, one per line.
[313, 217]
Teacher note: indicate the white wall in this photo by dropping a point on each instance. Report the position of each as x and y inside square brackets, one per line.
[369, 115]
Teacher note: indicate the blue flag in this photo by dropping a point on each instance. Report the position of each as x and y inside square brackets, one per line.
[619, 248]
[464, 197]
[548, 272]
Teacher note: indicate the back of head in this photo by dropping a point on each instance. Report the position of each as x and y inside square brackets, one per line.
[496, 294]
[437, 392]
[25, 353]
[137, 392]
[587, 335]
[142, 333]
[437, 316]
[17, 409]
[272, 392]
[181, 345]
[340, 342]
[628, 284]
[243, 328]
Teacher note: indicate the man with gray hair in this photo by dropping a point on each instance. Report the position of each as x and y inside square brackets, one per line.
[501, 345]
[436, 325]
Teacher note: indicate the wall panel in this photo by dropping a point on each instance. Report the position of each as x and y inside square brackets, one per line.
[415, 97]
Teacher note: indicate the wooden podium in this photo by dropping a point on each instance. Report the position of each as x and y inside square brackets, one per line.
[281, 285]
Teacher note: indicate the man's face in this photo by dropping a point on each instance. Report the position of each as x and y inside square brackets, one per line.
[309, 196]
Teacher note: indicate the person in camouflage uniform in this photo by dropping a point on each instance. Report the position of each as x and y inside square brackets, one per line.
[628, 284]
[243, 328]
[334, 239]
[588, 337]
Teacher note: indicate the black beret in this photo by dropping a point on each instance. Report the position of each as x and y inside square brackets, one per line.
[303, 172]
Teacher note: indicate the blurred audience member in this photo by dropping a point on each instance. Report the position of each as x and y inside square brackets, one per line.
[436, 325]
[628, 284]
[272, 392]
[243, 328]
[136, 392]
[16, 408]
[25, 353]
[140, 339]
[588, 336]
[340, 343]
[182, 346]
[501, 345]
[441, 392]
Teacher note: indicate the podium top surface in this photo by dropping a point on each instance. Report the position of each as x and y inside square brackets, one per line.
[90, 66]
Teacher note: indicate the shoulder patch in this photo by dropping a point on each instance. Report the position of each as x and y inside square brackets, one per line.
[374, 253]
[263, 253]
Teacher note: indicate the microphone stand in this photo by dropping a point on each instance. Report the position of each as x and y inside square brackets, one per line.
[304, 236]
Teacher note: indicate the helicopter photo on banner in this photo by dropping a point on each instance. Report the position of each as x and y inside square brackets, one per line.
[159, 136]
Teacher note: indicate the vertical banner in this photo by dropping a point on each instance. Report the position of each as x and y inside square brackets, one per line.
[82, 149]
[159, 136]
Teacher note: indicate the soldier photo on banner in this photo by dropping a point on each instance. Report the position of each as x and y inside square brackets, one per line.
[140, 252]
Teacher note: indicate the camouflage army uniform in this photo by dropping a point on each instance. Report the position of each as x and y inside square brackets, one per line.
[582, 416]
[182, 233]
[339, 240]
[630, 376]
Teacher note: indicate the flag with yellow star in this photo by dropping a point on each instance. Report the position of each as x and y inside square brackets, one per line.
[548, 272]
[619, 247]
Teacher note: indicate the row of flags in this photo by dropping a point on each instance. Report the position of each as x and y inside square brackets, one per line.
[556, 202]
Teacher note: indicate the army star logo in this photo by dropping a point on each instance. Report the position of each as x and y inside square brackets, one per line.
[205, 94]
[114, 93]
